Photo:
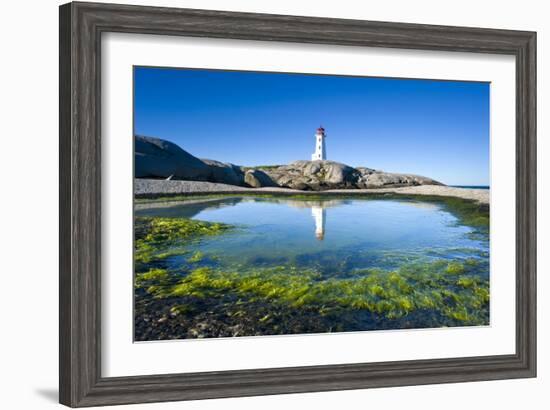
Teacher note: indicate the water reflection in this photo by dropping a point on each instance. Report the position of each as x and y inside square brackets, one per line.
[192, 207]
[335, 264]
[319, 214]
[338, 235]
[318, 211]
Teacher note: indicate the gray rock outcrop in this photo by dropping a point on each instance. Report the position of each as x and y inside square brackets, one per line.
[159, 159]
[225, 173]
[257, 179]
[379, 179]
[315, 175]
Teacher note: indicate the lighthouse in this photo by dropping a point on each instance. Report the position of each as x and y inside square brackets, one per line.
[320, 150]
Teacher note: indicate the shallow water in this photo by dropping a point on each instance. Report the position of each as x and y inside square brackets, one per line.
[334, 236]
[287, 266]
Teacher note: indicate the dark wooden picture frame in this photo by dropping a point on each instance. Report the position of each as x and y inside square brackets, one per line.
[81, 27]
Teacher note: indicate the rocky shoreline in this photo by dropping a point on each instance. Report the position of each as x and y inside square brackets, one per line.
[160, 159]
[151, 188]
[164, 169]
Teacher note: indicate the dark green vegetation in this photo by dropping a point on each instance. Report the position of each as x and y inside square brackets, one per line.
[262, 167]
[201, 297]
[159, 238]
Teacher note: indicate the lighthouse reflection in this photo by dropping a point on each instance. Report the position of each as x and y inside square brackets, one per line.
[220, 209]
[318, 211]
[319, 215]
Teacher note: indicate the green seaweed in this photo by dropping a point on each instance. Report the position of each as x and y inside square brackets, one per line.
[391, 294]
[452, 292]
[455, 268]
[158, 238]
[197, 257]
[154, 280]
[180, 309]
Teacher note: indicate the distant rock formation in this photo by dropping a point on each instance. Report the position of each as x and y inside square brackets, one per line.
[257, 179]
[379, 179]
[159, 159]
[314, 175]
[322, 175]
[225, 173]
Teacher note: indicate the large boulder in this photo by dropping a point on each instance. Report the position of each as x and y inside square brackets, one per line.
[257, 179]
[225, 173]
[379, 179]
[158, 158]
[315, 175]
[339, 174]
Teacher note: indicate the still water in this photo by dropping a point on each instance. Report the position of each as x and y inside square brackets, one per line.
[290, 266]
[334, 236]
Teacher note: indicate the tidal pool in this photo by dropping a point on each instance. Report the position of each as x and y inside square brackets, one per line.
[245, 265]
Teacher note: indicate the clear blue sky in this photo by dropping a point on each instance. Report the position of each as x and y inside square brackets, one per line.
[438, 129]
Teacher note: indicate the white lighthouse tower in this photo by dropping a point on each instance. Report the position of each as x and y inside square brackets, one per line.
[320, 150]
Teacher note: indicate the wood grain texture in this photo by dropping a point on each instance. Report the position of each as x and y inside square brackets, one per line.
[81, 26]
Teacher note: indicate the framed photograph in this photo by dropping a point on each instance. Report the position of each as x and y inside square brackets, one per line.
[261, 204]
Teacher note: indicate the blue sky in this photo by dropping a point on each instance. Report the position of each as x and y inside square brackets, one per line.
[438, 129]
